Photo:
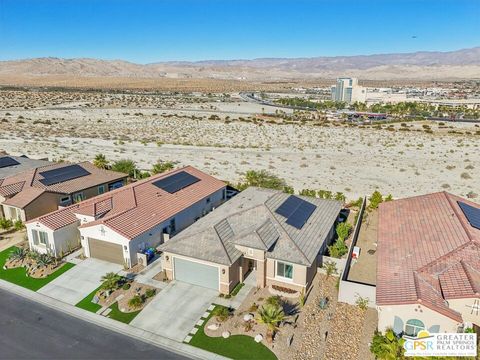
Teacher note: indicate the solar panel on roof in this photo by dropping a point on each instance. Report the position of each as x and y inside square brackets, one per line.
[471, 213]
[176, 182]
[62, 174]
[6, 161]
[296, 210]
[301, 215]
[289, 206]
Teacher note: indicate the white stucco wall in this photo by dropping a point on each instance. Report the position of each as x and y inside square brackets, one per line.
[396, 316]
[59, 241]
[465, 307]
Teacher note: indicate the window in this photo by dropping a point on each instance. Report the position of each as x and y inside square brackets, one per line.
[78, 197]
[224, 194]
[284, 270]
[65, 201]
[101, 189]
[40, 237]
[413, 327]
[172, 226]
[14, 213]
[115, 185]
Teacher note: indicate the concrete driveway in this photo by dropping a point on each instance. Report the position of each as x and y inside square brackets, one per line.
[175, 310]
[79, 281]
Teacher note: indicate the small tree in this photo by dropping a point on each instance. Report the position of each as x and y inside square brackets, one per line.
[375, 200]
[271, 316]
[101, 161]
[136, 302]
[161, 167]
[125, 166]
[330, 268]
[343, 230]
[110, 281]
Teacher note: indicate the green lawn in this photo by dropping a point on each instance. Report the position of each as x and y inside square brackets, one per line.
[116, 314]
[18, 275]
[235, 347]
[87, 303]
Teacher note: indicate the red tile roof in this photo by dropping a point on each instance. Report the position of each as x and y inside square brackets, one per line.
[138, 207]
[427, 252]
[23, 188]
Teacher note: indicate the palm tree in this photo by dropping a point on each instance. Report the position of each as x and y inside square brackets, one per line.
[101, 161]
[110, 281]
[271, 316]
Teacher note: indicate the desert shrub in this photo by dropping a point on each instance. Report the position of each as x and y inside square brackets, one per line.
[343, 230]
[5, 224]
[221, 313]
[375, 200]
[126, 286]
[150, 293]
[136, 302]
[338, 249]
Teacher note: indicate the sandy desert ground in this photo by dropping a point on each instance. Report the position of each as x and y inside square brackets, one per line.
[221, 136]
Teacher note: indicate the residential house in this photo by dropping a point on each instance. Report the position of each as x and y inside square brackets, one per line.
[12, 165]
[276, 237]
[38, 191]
[428, 272]
[119, 224]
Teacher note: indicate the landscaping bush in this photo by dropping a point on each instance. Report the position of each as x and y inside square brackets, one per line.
[136, 302]
[338, 249]
[5, 224]
[126, 286]
[18, 225]
[375, 200]
[150, 293]
[222, 313]
[343, 230]
[273, 300]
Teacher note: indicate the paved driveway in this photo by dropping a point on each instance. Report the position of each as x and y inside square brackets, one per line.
[79, 281]
[175, 310]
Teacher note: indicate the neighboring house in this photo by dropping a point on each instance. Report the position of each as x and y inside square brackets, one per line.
[41, 190]
[117, 225]
[276, 237]
[428, 256]
[13, 165]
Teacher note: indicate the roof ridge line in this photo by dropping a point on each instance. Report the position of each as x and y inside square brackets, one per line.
[221, 241]
[437, 260]
[286, 232]
[466, 267]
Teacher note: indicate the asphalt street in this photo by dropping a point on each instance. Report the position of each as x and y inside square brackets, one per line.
[29, 330]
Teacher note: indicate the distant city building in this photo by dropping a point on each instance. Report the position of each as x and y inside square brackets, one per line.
[348, 90]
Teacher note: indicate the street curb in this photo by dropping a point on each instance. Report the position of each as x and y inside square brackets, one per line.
[113, 325]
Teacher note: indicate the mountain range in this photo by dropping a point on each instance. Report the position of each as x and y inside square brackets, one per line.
[425, 65]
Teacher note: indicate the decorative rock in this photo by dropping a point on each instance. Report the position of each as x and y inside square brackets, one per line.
[226, 334]
[247, 317]
[213, 327]
[258, 338]
[95, 299]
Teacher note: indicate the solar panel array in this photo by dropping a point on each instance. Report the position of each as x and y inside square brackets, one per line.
[7, 161]
[296, 210]
[59, 175]
[471, 213]
[176, 182]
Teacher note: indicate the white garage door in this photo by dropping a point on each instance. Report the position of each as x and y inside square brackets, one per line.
[196, 274]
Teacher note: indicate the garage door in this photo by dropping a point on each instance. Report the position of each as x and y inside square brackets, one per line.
[105, 250]
[196, 274]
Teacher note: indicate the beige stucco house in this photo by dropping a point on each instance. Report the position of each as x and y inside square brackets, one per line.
[38, 191]
[276, 237]
[428, 264]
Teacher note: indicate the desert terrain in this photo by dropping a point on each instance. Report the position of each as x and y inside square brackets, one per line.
[226, 136]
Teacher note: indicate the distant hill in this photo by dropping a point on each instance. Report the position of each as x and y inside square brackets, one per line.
[460, 64]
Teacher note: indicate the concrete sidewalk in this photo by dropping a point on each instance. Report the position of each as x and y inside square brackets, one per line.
[145, 336]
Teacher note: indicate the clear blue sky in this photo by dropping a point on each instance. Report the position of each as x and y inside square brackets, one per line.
[147, 31]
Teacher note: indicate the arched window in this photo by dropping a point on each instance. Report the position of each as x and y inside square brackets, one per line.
[413, 326]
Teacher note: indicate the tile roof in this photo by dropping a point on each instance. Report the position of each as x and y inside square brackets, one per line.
[23, 188]
[136, 208]
[249, 219]
[427, 252]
